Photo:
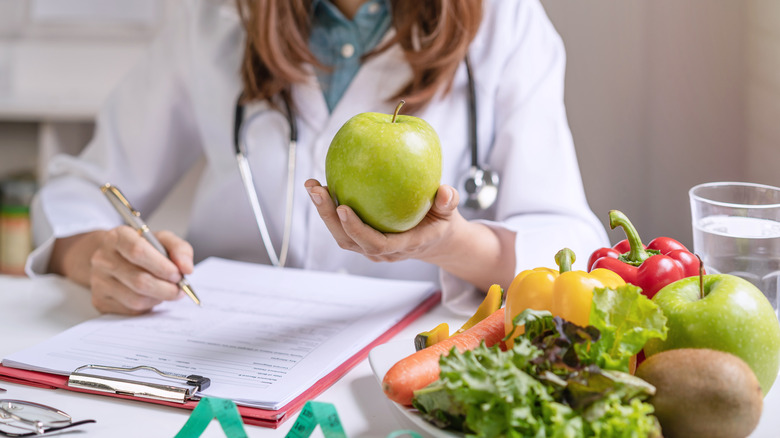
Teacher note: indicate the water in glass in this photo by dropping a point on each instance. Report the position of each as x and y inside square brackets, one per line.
[743, 246]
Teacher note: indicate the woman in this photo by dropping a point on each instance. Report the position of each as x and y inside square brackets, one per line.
[332, 60]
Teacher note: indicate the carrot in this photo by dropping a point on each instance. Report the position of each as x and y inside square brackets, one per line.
[421, 368]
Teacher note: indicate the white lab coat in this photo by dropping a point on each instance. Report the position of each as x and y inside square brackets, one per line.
[175, 109]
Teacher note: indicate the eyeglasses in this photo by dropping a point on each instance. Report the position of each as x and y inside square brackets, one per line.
[22, 418]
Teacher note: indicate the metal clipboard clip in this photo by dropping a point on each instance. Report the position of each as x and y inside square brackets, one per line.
[156, 391]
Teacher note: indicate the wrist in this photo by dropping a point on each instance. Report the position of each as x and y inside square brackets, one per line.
[479, 254]
[450, 247]
[71, 256]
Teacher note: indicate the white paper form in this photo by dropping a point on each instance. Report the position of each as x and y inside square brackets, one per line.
[263, 336]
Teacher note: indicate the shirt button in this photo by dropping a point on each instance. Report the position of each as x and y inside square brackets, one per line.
[347, 50]
[373, 8]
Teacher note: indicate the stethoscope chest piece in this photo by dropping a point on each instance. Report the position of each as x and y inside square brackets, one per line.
[481, 184]
[481, 188]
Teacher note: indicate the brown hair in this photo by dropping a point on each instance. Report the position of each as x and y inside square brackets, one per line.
[434, 35]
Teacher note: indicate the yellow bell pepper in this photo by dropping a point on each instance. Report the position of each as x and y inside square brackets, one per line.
[563, 293]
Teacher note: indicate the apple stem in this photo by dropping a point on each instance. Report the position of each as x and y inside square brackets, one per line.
[397, 109]
[701, 277]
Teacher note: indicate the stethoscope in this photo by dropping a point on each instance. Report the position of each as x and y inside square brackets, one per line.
[480, 184]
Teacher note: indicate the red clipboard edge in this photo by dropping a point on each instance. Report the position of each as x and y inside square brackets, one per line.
[254, 416]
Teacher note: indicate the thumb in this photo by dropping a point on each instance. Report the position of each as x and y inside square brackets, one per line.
[446, 201]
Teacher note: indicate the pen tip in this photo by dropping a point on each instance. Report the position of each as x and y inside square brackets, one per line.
[188, 290]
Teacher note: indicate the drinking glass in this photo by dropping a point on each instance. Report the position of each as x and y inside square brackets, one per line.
[736, 230]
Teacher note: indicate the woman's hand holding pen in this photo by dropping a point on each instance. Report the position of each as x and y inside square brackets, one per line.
[469, 250]
[130, 276]
[125, 272]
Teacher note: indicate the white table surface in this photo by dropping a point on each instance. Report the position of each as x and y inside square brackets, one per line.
[32, 310]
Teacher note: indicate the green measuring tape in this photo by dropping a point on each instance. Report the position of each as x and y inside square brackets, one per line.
[208, 408]
[325, 415]
[312, 415]
[317, 413]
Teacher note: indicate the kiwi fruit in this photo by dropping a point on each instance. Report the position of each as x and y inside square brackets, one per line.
[703, 393]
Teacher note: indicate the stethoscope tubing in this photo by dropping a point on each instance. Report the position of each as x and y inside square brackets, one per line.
[472, 102]
[249, 185]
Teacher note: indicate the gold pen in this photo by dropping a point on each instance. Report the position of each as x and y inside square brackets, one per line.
[133, 218]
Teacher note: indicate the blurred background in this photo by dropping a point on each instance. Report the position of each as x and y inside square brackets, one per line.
[661, 95]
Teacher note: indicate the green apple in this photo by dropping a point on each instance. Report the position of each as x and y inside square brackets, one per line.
[725, 313]
[386, 167]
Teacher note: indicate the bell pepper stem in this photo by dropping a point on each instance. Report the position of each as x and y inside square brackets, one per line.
[565, 259]
[637, 254]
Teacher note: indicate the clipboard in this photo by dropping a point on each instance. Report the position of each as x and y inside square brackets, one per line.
[155, 391]
[251, 415]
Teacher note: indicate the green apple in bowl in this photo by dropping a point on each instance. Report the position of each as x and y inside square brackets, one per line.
[721, 312]
[386, 167]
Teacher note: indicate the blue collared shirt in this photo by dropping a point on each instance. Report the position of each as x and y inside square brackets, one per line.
[340, 43]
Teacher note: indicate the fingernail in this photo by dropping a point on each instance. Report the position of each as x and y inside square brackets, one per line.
[315, 197]
[342, 214]
[449, 198]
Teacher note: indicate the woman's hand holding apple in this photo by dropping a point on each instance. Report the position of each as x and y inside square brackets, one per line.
[444, 237]
[354, 235]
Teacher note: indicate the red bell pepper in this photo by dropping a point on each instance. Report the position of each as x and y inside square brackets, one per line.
[663, 261]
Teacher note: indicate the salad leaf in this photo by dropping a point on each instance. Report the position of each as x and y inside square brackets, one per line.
[536, 322]
[556, 338]
[559, 346]
[487, 392]
[626, 320]
[618, 419]
[592, 385]
[494, 396]
[559, 379]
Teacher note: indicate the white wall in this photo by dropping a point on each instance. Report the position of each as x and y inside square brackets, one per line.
[763, 91]
[655, 97]
[56, 67]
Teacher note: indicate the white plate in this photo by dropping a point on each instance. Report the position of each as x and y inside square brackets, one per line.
[381, 359]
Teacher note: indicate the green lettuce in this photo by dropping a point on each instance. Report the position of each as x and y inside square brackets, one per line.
[626, 319]
[559, 379]
[620, 419]
[487, 392]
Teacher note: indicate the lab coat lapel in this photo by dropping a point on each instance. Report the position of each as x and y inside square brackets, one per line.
[310, 107]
